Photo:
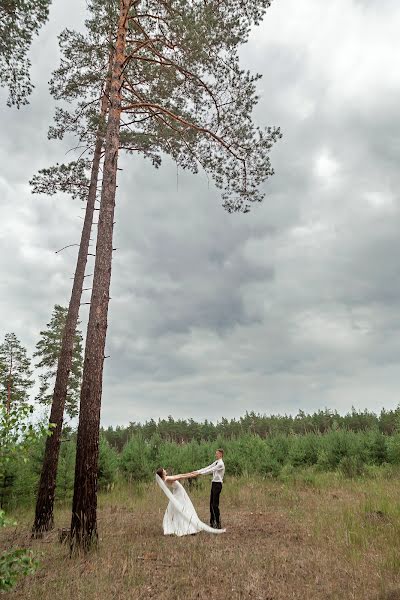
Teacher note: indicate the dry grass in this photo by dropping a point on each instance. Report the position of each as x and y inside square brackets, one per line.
[317, 538]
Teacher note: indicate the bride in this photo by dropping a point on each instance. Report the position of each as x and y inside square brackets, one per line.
[180, 518]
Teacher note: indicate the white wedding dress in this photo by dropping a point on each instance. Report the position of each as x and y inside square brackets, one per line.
[180, 517]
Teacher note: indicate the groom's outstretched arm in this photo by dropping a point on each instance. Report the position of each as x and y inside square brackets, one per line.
[206, 470]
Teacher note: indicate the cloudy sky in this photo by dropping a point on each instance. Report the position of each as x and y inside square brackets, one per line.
[292, 306]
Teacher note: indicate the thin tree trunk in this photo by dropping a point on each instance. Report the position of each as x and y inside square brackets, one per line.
[9, 384]
[44, 520]
[84, 506]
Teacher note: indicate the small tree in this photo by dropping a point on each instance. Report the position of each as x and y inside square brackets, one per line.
[20, 20]
[48, 351]
[17, 435]
[15, 373]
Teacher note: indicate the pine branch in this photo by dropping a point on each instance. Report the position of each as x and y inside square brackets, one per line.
[69, 246]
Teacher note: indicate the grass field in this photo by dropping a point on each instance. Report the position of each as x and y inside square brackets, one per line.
[313, 536]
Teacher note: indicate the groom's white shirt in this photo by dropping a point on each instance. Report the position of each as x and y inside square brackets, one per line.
[217, 468]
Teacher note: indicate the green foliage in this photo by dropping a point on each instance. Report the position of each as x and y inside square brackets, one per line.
[66, 469]
[15, 564]
[337, 445]
[17, 438]
[15, 372]
[266, 426]
[348, 453]
[20, 20]
[279, 447]
[351, 466]
[184, 92]
[70, 178]
[134, 460]
[393, 449]
[376, 449]
[181, 458]
[48, 350]
[17, 435]
[21, 450]
[108, 464]
[304, 450]
[21, 488]
[3, 519]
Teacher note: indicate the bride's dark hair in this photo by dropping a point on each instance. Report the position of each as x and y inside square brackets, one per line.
[160, 472]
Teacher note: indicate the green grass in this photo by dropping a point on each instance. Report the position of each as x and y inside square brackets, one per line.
[307, 536]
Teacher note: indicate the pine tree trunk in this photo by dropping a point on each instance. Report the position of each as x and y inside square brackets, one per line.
[84, 506]
[9, 385]
[44, 520]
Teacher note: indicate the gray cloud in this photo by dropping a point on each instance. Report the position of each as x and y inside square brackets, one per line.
[291, 306]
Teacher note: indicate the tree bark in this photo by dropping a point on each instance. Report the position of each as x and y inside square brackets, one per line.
[9, 384]
[84, 506]
[44, 519]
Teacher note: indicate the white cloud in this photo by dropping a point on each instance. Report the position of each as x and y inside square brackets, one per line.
[326, 166]
[381, 201]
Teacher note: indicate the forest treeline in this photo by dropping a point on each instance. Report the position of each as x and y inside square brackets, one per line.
[321, 421]
[350, 453]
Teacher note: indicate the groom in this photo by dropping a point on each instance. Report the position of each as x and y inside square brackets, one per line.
[217, 469]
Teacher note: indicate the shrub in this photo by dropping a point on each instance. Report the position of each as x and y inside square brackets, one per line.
[15, 564]
[279, 446]
[304, 450]
[393, 449]
[108, 464]
[351, 466]
[66, 470]
[336, 446]
[135, 459]
[376, 448]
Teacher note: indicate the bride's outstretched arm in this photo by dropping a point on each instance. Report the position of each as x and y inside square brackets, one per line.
[180, 476]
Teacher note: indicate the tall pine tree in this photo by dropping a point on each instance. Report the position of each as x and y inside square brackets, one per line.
[68, 178]
[176, 87]
[71, 178]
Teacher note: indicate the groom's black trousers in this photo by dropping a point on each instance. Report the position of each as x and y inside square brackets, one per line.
[215, 518]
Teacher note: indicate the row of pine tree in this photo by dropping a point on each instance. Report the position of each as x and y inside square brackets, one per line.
[183, 431]
[340, 452]
[17, 375]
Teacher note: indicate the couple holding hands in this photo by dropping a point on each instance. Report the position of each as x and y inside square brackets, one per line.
[180, 517]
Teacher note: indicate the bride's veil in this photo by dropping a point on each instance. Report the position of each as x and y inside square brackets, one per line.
[190, 518]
